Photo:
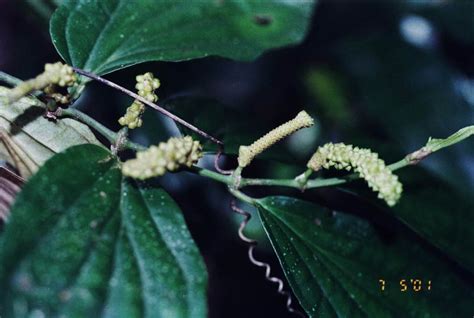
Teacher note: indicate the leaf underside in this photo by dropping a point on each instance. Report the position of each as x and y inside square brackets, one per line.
[30, 139]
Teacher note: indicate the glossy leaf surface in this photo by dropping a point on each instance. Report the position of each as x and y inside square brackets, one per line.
[334, 264]
[106, 35]
[84, 242]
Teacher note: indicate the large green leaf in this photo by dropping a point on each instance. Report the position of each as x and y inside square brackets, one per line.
[442, 216]
[82, 242]
[334, 263]
[30, 139]
[106, 35]
[432, 208]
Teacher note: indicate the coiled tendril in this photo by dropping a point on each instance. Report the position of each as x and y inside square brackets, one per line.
[252, 244]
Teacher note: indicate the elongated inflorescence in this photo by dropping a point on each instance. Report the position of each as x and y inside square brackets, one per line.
[54, 74]
[146, 86]
[248, 153]
[167, 156]
[363, 161]
[252, 244]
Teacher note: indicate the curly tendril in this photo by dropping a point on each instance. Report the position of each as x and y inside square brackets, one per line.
[167, 156]
[54, 74]
[146, 86]
[366, 163]
[248, 153]
[252, 244]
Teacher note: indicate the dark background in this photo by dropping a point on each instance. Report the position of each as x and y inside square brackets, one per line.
[380, 74]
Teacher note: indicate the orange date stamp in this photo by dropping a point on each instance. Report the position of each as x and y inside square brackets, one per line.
[409, 284]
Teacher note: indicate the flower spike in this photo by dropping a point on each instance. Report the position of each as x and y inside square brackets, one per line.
[167, 156]
[54, 74]
[146, 86]
[366, 163]
[248, 153]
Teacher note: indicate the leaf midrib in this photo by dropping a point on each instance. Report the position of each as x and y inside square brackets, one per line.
[172, 251]
[327, 255]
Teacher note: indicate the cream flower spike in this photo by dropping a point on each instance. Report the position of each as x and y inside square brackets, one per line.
[366, 163]
[248, 153]
[167, 156]
[58, 74]
[146, 85]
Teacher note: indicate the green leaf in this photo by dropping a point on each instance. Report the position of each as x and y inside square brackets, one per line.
[83, 242]
[435, 144]
[438, 213]
[29, 139]
[107, 35]
[433, 209]
[334, 263]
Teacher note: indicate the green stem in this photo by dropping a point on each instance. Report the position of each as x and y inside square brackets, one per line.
[290, 183]
[110, 135]
[10, 80]
[242, 196]
[227, 179]
[86, 119]
[235, 180]
[400, 164]
[303, 178]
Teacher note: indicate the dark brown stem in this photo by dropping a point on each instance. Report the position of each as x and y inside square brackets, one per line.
[220, 151]
[147, 102]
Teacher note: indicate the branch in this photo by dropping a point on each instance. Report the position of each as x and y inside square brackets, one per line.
[434, 144]
[152, 105]
[10, 80]
[301, 182]
[110, 135]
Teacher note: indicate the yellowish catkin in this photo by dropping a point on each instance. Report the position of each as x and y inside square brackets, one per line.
[167, 156]
[248, 153]
[57, 74]
[366, 163]
[146, 86]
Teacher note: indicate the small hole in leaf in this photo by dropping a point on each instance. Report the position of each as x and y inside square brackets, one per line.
[262, 20]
